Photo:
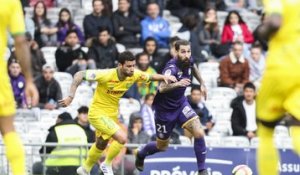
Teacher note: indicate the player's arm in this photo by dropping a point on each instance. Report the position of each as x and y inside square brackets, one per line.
[197, 75]
[164, 87]
[273, 19]
[165, 78]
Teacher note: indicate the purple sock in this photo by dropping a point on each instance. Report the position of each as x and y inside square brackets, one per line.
[148, 149]
[200, 152]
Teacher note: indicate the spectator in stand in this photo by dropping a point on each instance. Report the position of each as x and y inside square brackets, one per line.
[143, 64]
[235, 29]
[209, 35]
[126, 25]
[136, 134]
[48, 3]
[198, 105]
[243, 118]
[45, 32]
[82, 120]
[257, 64]
[157, 62]
[139, 7]
[70, 57]
[49, 89]
[64, 24]
[98, 18]
[103, 50]
[155, 26]
[172, 51]
[148, 115]
[242, 5]
[17, 81]
[234, 69]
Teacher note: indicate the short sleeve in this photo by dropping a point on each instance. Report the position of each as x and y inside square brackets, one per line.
[169, 70]
[141, 76]
[16, 21]
[272, 6]
[95, 75]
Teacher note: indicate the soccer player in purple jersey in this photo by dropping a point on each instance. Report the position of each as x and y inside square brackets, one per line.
[171, 107]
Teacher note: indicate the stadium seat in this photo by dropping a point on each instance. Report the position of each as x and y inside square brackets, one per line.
[235, 141]
[281, 131]
[283, 142]
[217, 104]
[7, 54]
[26, 115]
[213, 141]
[85, 49]
[65, 80]
[83, 96]
[222, 93]
[49, 54]
[211, 67]
[183, 35]
[221, 128]
[126, 107]
[254, 142]
[222, 114]
[120, 47]
[185, 140]
[135, 50]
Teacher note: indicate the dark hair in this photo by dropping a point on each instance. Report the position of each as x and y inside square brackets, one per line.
[181, 43]
[227, 20]
[106, 11]
[126, 56]
[83, 109]
[65, 116]
[12, 60]
[139, 55]
[148, 96]
[71, 31]
[237, 43]
[206, 25]
[249, 85]
[97, 0]
[150, 38]
[173, 40]
[35, 18]
[191, 21]
[195, 88]
[256, 45]
[70, 22]
[103, 29]
[28, 36]
[153, 2]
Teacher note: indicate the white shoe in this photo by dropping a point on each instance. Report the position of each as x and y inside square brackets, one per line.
[81, 171]
[106, 169]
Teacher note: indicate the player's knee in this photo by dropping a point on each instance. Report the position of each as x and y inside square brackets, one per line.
[101, 143]
[122, 140]
[162, 145]
[199, 133]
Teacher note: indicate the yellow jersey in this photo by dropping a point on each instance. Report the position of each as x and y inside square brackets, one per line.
[110, 89]
[284, 46]
[12, 20]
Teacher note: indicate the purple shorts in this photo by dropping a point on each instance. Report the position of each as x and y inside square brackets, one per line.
[166, 120]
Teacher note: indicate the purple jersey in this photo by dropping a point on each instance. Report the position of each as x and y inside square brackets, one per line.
[173, 99]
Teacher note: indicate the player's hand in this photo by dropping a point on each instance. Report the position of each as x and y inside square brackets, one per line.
[185, 82]
[169, 78]
[203, 91]
[65, 102]
[31, 93]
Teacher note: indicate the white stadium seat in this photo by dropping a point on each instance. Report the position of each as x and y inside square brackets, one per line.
[65, 80]
[185, 140]
[221, 128]
[126, 107]
[235, 141]
[213, 141]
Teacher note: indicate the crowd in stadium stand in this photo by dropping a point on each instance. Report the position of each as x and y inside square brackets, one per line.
[216, 29]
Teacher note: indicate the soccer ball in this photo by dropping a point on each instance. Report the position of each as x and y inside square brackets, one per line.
[241, 170]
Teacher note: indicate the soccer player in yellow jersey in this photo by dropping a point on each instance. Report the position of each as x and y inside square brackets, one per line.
[12, 20]
[280, 89]
[112, 84]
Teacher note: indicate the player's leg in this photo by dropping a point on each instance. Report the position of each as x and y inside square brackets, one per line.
[13, 146]
[194, 127]
[292, 105]
[163, 131]
[269, 111]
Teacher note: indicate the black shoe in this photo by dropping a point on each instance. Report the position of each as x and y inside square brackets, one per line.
[203, 172]
[139, 162]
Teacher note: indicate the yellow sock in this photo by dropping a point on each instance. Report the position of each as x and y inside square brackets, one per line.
[94, 155]
[267, 153]
[295, 134]
[113, 150]
[15, 153]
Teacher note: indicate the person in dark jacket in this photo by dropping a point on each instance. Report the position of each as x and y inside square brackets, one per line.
[82, 120]
[103, 50]
[49, 89]
[17, 82]
[126, 25]
[99, 17]
[243, 118]
[70, 57]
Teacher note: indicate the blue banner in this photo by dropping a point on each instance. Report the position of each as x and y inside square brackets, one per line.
[219, 161]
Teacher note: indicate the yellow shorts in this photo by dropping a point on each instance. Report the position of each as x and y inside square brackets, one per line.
[105, 126]
[7, 101]
[279, 93]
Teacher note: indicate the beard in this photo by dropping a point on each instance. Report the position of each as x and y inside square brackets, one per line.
[184, 64]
